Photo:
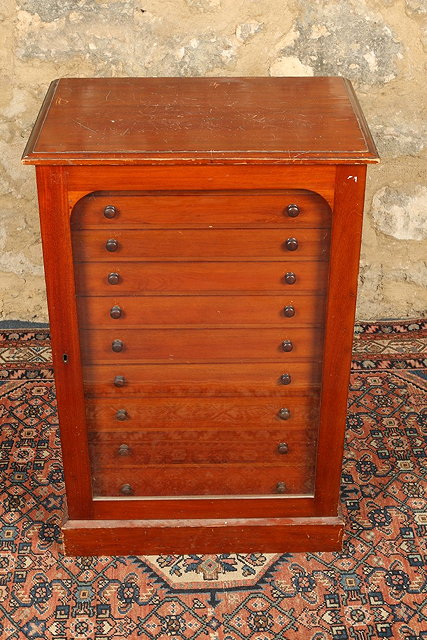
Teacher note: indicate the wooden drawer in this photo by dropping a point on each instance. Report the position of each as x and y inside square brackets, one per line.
[209, 479]
[200, 277]
[200, 244]
[136, 311]
[249, 208]
[208, 380]
[129, 413]
[198, 446]
[200, 345]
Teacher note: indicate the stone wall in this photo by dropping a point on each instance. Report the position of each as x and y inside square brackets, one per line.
[379, 44]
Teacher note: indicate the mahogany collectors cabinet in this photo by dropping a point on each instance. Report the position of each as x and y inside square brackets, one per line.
[201, 241]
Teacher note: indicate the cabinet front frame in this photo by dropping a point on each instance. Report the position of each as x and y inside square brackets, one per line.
[342, 186]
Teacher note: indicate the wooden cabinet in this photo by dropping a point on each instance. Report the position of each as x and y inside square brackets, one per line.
[201, 240]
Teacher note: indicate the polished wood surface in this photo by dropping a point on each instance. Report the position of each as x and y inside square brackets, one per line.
[205, 479]
[121, 537]
[200, 345]
[173, 443]
[58, 262]
[240, 310]
[182, 445]
[177, 120]
[200, 245]
[240, 209]
[217, 414]
[202, 380]
[200, 178]
[345, 251]
[172, 278]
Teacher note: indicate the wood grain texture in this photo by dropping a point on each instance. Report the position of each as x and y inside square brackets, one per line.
[233, 209]
[185, 311]
[52, 190]
[195, 445]
[175, 278]
[202, 380]
[206, 479]
[200, 244]
[208, 177]
[216, 414]
[200, 345]
[202, 507]
[344, 267]
[151, 120]
[274, 535]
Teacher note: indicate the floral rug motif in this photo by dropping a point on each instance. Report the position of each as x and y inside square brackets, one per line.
[375, 588]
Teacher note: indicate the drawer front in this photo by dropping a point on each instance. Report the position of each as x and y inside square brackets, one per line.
[171, 278]
[131, 311]
[200, 345]
[197, 446]
[201, 325]
[126, 413]
[219, 479]
[250, 208]
[200, 244]
[205, 380]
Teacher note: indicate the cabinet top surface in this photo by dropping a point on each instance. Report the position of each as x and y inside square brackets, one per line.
[200, 120]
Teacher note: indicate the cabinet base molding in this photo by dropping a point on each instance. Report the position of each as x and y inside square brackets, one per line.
[148, 537]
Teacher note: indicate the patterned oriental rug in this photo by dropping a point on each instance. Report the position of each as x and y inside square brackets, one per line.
[375, 588]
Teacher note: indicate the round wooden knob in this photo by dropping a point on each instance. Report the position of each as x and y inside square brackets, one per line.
[115, 312]
[119, 381]
[292, 210]
[285, 378]
[117, 345]
[113, 278]
[112, 244]
[126, 490]
[281, 487]
[287, 345]
[284, 414]
[291, 244]
[290, 277]
[123, 450]
[289, 311]
[121, 415]
[110, 211]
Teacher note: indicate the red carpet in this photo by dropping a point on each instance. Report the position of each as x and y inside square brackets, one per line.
[375, 588]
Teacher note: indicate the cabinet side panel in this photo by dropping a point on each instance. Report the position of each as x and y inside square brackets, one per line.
[341, 304]
[59, 274]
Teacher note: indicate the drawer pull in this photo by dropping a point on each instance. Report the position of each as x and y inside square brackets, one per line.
[110, 211]
[115, 312]
[113, 278]
[112, 244]
[290, 277]
[281, 487]
[284, 414]
[124, 450]
[293, 210]
[121, 415]
[291, 244]
[126, 490]
[282, 447]
[285, 378]
[119, 381]
[289, 311]
[287, 345]
[117, 345]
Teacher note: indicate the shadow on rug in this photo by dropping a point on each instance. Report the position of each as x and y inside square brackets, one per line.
[375, 588]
